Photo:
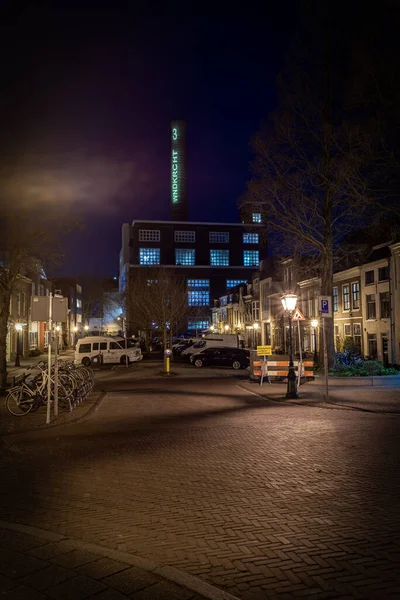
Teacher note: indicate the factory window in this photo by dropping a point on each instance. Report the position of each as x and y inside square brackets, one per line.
[184, 256]
[149, 256]
[218, 237]
[230, 283]
[256, 217]
[219, 258]
[185, 236]
[250, 238]
[200, 325]
[250, 258]
[198, 292]
[149, 235]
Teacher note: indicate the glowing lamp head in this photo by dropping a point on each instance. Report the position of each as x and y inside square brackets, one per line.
[289, 302]
[314, 323]
[256, 325]
[18, 326]
[58, 328]
[75, 329]
[226, 327]
[86, 328]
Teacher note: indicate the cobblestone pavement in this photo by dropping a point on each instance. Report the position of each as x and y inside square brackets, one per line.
[37, 565]
[260, 498]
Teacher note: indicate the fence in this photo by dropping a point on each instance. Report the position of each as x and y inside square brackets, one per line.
[279, 368]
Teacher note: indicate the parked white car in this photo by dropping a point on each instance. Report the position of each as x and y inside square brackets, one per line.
[212, 340]
[111, 349]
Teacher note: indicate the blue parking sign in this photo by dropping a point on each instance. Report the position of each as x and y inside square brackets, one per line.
[325, 306]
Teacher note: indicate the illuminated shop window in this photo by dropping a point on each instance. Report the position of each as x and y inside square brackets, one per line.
[256, 217]
[250, 258]
[185, 236]
[149, 256]
[230, 283]
[149, 235]
[204, 324]
[184, 256]
[250, 238]
[218, 237]
[198, 292]
[219, 258]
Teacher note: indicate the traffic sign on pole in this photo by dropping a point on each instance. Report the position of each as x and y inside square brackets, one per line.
[298, 315]
[325, 306]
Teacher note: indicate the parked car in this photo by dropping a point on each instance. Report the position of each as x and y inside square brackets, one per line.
[177, 349]
[237, 358]
[220, 340]
[111, 350]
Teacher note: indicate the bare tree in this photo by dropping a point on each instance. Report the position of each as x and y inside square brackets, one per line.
[24, 240]
[157, 296]
[316, 159]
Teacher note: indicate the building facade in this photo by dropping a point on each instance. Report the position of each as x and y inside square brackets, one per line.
[213, 257]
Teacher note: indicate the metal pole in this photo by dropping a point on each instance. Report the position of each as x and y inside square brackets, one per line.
[292, 383]
[56, 377]
[315, 346]
[49, 358]
[300, 357]
[325, 362]
[126, 342]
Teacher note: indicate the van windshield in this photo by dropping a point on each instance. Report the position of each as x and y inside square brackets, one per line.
[199, 344]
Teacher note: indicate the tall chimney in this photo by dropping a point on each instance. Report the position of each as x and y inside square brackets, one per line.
[179, 199]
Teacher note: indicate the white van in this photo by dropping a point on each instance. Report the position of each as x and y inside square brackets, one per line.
[211, 340]
[112, 350]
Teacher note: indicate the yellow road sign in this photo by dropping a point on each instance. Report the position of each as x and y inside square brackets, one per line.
[264, 350]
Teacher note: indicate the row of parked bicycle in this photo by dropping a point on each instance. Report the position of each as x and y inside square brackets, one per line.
[74, 383]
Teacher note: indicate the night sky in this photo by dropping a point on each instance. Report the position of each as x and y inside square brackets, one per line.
[87, 101]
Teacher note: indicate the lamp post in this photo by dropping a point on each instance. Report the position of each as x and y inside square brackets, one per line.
[18, 328]
[289, 304]
[314, 325]
[75, 332]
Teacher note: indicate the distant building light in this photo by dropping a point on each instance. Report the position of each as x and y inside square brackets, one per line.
[256, 217]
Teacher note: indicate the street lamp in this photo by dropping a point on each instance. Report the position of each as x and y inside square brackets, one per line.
[289, 304]
[86, 328]
[314, 325]
[18, 328]
[226, 327]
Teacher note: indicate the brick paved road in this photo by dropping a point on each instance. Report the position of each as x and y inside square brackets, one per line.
[262, 499]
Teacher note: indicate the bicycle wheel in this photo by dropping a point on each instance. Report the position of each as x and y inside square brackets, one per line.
[19, 402]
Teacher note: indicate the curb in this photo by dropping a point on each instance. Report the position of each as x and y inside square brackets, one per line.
[207, 590]
[61, 420]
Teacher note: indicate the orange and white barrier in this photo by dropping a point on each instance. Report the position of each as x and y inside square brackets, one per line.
[279, 368]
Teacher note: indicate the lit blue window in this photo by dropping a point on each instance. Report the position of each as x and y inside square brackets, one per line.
[184, 256]
[204, 324]
[149, 256]
[198, 292]
[230, 283]
[250, 258]
[219, 258]
[250, 238]
[256, 217]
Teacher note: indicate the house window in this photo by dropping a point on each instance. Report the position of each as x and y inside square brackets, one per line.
[250, 258]
[203, 324]
[372, 345]
[357, 336]
[219, 258]
[256, 217]
[369, 277]
[335, 296]
[384, 298]
[218, 237]
[355, 293]
[184, 256]
[337, 338]
[149, 235]
[149, 256]
[185, 236]
[250, 238]
[371, 308]
[198, 292]
[347, 330]
[346, 297]
[230, 283]
[383, 273]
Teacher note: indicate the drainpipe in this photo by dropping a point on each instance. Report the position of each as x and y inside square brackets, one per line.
[392, 320]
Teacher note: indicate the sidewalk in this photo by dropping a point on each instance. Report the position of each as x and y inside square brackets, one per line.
[38, 564]
[383, 399]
